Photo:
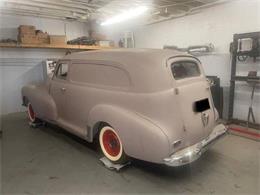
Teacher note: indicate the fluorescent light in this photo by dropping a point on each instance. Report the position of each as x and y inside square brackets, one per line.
[129, 14]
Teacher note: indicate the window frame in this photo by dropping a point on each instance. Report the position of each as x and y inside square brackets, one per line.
[59, 63]
[185, 61]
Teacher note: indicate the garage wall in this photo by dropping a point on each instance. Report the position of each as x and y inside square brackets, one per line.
[9, 24]
[21, 66]
[214, 25]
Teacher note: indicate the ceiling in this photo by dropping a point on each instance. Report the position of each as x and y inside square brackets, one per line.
[98, 10]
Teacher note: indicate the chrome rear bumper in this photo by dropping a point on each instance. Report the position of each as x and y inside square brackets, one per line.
[192, 153]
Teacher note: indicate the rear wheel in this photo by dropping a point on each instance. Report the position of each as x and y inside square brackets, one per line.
[111, 145]
[31, 114]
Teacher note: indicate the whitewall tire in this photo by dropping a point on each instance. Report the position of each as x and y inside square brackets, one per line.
[111, 145]
[31, 114]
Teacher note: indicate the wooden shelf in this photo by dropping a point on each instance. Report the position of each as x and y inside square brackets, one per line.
[48, 46]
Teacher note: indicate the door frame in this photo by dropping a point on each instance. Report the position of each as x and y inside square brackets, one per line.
[61, 82]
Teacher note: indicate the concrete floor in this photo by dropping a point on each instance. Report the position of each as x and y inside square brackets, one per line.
[48, 160]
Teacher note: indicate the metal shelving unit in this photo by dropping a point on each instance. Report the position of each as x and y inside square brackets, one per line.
[235, 78]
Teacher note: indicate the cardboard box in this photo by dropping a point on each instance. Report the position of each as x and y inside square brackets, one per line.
[58, 39]
[26, 29]
[42, 35]
[43, 38]
[28, 39]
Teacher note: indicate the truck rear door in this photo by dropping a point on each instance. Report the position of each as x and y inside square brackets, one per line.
[194, 98]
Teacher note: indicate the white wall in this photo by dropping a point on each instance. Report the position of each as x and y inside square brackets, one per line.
[216, 24]
[213, 25]
[9, 24]
[19, 67]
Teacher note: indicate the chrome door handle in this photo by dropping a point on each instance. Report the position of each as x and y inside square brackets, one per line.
[63, 89]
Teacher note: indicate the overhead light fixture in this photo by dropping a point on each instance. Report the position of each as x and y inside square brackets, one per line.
[126, 15]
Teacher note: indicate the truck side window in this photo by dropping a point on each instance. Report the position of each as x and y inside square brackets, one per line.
[62, 71]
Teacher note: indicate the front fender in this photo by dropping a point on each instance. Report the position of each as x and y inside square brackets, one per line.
[42, 103]
[140, 137]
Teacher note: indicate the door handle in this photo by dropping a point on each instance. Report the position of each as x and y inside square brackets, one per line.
[63, 89]
[176, 91]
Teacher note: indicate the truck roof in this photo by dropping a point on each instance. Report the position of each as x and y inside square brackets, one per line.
[139, 63]
[127, 56]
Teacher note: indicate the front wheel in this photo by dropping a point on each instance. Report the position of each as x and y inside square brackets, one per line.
[111, 145]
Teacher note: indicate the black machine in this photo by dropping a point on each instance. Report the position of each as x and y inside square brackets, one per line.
[244, 46]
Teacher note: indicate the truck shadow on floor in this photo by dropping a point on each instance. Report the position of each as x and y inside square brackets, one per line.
[158, 170]
[161, 170]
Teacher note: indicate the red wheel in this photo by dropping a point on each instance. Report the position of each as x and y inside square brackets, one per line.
[111, 145]
[31, 113]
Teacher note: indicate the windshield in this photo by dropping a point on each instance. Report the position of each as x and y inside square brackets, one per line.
[185, 69]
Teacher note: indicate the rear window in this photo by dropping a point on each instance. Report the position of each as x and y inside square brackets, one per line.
[185, 69]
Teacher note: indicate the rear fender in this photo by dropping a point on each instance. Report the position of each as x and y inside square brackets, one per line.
[140, 137]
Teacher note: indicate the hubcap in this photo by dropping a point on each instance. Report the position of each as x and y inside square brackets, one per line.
[111, 143]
